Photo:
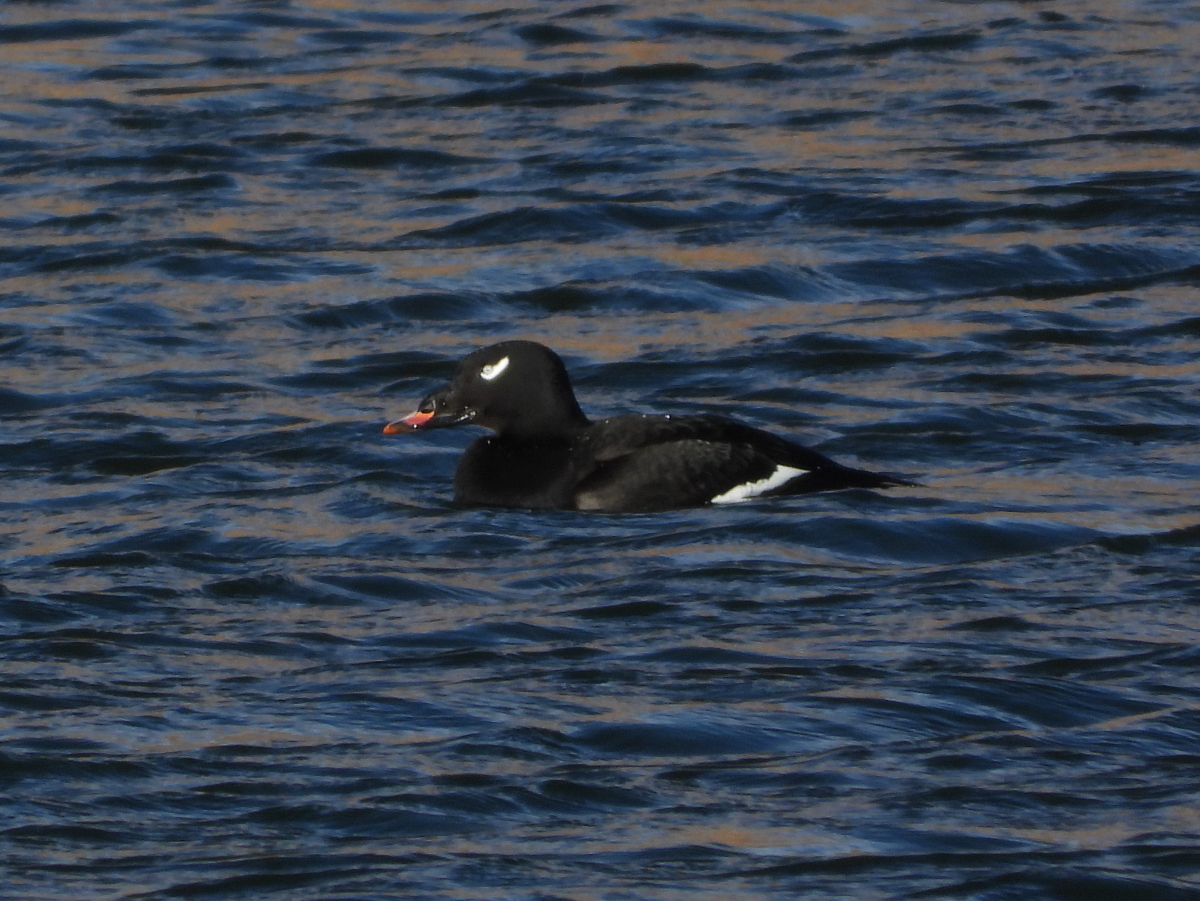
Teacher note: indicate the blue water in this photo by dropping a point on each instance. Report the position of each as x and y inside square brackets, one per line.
[251, 649]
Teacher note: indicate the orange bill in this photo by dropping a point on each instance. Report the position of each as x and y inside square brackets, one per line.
[412, 421]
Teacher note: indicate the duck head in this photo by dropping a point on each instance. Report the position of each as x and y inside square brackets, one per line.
[516, 388]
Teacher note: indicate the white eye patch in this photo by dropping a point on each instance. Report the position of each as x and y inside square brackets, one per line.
[493, 370]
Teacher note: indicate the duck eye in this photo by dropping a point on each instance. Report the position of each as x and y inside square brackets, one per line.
[493, 370]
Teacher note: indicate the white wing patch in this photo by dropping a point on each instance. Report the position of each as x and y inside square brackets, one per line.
[748, 490]
[493, 370]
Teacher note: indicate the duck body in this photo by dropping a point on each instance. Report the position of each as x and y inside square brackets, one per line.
[545, 454]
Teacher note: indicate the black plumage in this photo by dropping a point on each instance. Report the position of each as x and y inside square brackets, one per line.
[546, 454]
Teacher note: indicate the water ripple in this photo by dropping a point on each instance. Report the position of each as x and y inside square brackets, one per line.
[251, 644]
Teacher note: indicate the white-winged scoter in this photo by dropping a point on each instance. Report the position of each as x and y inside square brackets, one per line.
[547, 455]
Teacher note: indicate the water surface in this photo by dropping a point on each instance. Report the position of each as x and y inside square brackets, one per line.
[252, 649]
